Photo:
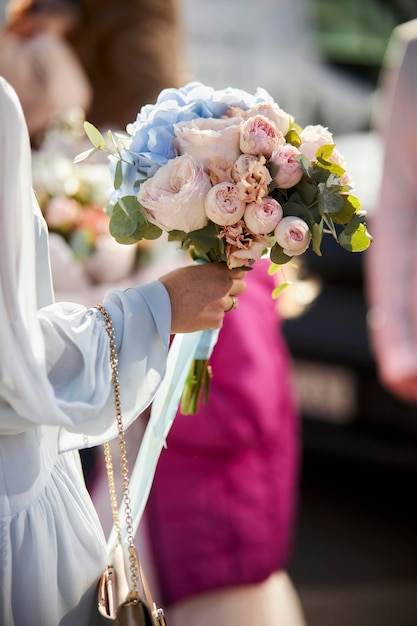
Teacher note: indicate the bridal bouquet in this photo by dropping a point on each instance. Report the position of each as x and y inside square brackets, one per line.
[231, 177]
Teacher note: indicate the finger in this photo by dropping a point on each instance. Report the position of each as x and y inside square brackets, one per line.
[234, 303]
[238, 287]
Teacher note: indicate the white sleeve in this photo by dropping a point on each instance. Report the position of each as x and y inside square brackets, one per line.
[78, 360]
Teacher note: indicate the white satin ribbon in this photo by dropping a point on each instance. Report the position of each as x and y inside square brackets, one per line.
[184, 349]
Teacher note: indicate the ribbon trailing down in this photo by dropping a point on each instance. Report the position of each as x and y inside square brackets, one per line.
[184, 348]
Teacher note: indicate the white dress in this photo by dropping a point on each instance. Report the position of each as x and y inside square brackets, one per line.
[56, 397]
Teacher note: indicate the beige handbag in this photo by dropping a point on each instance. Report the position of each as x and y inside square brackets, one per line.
[124, 597]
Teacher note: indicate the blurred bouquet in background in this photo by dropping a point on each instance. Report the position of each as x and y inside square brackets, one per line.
[72, 198]
[231, 177]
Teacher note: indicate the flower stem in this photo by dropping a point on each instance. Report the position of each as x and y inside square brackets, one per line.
[196, 387]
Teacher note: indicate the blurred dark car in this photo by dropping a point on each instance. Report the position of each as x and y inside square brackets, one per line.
[345, 410]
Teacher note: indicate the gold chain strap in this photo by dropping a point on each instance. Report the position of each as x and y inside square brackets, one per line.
[123, 461]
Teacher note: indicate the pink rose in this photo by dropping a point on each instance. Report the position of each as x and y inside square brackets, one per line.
[252, 177]
[258, 135]
[224, 206]
[173, 198]
[293, 235]
[289, 170]
[209, 139]
[274, 113]
[261, 218]
[312, 138]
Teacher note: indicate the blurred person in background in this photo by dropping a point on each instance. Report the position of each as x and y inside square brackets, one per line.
[221, 515]
[104, 56]
[392, 259]
[40, 65]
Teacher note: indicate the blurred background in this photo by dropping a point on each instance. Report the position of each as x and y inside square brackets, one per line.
[354, 561]
[356, 542]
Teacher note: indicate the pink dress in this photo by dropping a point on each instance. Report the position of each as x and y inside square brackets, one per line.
[221, 511]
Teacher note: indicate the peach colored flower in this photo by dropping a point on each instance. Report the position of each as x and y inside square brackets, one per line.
[241, 246]
[252, 177]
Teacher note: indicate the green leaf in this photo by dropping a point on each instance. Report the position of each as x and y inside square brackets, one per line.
[305, 164]
[325, 152]
[355, 237]
[85, 155]
[329, 201]
[150, 231]
[206, 238]
[333, 168]
[177, 235]
[351, 205]
[118, 175]
[94, 136]
[316, 237]
[293, 138]
[277, 255]
[129, 205]
[274, 268]
[302, 211]
[122, 225]
[278, 290]
[305, 192]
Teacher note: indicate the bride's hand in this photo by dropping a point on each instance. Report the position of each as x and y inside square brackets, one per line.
[201, 294]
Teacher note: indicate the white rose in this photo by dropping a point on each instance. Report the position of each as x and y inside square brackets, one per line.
[312, 138]
[174, 197]
[209, 139]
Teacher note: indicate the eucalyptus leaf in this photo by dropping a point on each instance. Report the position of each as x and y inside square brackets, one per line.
[177, 235]
[118, 175]
[293, 138]
[278, 256]
[355, 237]
[305, 192]
[274, 268]
[151, 231]
[305, 164]
[94, 136]
[300, 210]
[325, 152]
[206, 238]
[85, 155]
[122, 225]
[129, 205]
[278, 290]
[351, 205]
[328, 200]
[317, 237]
[335, 169]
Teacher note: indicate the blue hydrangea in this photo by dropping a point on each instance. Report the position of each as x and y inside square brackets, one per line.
[152, 133]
